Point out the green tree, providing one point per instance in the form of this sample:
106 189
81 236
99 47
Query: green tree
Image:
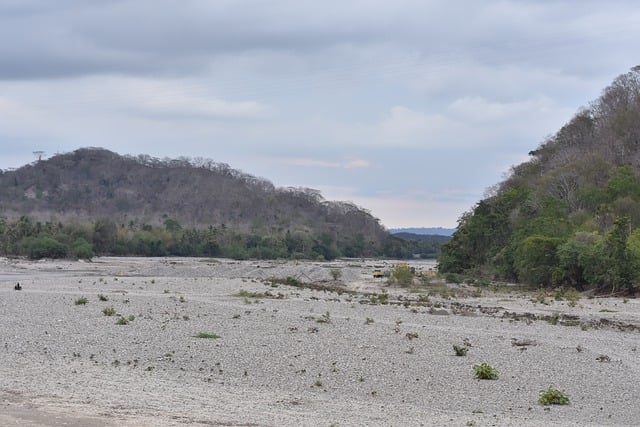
536 259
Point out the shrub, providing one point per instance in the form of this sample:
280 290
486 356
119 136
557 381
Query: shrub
103 297
122 321
207 335
45 247
109 311
82 249
401 275
572 296
81 301
552 396
484 371
336 273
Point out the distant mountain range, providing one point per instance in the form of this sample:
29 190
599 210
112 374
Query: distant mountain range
434 231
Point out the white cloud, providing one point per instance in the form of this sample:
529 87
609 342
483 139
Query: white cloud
403 126
479 110
406 210
304 162
317 163
181 100
357 164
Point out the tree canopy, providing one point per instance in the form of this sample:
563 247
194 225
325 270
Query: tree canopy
570 215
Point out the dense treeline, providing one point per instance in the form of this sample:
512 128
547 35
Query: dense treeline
425 246
25 237
570 216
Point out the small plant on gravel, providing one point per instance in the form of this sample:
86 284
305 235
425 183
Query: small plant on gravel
81 301
552 396
131 318
461 350
484 371
401 275
336 273
207 335
368 321
325 318
122 321
103 297
109 311
572 296
318 383
553 320
182 299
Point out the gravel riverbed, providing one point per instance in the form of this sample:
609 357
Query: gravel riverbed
279 355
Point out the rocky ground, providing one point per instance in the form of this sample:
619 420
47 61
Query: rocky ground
175 341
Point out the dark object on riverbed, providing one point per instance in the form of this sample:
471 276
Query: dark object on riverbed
17 287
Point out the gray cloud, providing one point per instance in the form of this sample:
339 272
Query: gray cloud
408 104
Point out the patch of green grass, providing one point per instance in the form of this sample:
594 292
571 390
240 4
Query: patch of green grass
81 301
207 335
484 371
109 311
552 396
122 321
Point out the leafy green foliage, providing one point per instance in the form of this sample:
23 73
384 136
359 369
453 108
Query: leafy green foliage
109 311
553 396
401 275
56 240
44 247
484 371
569 217
207 335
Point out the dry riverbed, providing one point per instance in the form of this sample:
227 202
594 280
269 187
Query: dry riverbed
211 342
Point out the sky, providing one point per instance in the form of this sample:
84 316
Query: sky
410 109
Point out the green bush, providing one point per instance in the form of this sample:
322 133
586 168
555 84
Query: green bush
484 371
81 301
82 249
207 335
401 275
551 396
45 247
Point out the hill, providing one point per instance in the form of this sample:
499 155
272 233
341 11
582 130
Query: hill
135 194
569 216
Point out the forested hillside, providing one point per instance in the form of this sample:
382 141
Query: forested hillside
106 203
570 216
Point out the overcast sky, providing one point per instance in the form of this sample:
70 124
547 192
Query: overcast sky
411 109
